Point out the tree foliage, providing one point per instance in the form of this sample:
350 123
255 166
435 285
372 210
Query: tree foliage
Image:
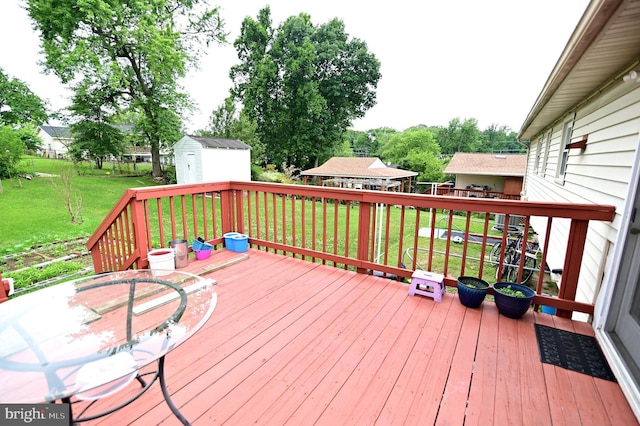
19 106
415 150
226 122
11 150
128 55
501 139
302 84
460 136
94 136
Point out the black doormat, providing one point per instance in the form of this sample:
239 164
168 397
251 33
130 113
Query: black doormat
572 351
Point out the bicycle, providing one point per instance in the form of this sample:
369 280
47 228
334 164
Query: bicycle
511 261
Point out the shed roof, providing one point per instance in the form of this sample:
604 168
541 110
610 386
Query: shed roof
358 167
223 143
604 46
466 163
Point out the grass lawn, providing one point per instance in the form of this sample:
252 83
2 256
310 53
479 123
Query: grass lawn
34 213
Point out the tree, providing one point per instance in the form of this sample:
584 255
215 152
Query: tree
501 139
93 134
129 55
29 137
416 150
460 136
19 106
226 122
11 150
302 84
223 118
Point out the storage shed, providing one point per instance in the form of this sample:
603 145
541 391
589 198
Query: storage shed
208 159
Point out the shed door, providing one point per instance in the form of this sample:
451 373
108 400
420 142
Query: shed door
512 185
191 176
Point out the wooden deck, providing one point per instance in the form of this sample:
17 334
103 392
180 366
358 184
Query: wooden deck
293 342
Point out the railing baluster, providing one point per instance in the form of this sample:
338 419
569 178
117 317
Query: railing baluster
347 231
172 212
205 223
313 225
274 205
364 232
400 260
183 206
373 231
194 218
324 228
283 208
335 229
161 223
293 221
303 224
147 216
483 249
214 215
448 243
387 235
465 242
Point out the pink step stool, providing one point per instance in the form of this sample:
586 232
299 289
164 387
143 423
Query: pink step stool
428 284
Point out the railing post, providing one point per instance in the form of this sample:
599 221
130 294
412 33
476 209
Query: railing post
138 223
364 233
226 210
239 225
572 262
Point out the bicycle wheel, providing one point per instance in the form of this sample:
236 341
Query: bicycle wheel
506 272
511 266
494 254
510 269
530 264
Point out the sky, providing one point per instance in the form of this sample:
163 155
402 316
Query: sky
440 60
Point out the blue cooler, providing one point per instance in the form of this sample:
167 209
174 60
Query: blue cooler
237 242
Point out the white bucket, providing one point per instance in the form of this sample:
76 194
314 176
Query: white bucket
162 260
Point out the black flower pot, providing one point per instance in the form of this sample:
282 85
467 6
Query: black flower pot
513 306
472 291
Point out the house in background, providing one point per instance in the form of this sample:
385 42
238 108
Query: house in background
584 130
55 141
207 159
486 175
361 173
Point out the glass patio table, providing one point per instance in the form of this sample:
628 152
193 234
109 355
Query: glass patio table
86 339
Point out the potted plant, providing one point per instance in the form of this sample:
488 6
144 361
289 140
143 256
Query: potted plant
513 300
472 291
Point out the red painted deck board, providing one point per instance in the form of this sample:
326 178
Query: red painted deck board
295 342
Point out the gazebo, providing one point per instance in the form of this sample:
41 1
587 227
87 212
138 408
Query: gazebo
360 173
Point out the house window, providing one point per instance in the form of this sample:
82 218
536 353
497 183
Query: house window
546 153
536 166
564 151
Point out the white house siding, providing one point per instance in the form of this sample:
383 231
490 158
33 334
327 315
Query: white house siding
53 147
233 164
600 174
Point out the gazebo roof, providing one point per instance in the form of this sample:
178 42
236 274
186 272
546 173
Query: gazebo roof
358 167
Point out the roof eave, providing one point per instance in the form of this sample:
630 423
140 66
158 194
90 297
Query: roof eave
588 28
